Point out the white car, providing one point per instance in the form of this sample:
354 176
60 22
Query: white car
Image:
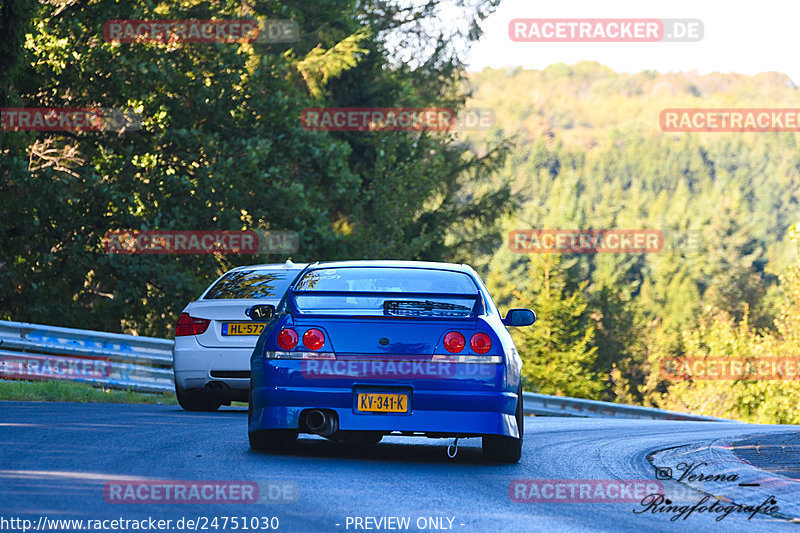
215 336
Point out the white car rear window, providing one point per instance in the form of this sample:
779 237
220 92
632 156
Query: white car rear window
270 284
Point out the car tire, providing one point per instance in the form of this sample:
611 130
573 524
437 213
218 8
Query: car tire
501 449
193 401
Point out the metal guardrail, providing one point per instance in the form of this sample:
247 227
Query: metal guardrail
547 405
34 351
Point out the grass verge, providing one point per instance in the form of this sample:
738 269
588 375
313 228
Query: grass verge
70 391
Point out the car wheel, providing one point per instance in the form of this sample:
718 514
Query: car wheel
193 401
501 449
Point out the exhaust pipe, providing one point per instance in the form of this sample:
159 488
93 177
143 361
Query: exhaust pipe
322 422
216 387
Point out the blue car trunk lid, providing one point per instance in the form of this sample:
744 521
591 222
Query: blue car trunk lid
382 336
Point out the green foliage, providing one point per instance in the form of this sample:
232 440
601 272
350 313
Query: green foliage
761 401
574 146
557 352
589 153
221 147
319 66
71 391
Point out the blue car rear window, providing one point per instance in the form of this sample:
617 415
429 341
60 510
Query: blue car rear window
420 292
252 284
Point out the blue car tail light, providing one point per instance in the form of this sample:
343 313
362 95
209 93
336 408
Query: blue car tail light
287 338
313 339
275 354
454 342
481 349
474 359
290 347
480 343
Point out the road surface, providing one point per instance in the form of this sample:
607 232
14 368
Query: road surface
104 462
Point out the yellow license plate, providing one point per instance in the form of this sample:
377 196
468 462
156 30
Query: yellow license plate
241 328
383 403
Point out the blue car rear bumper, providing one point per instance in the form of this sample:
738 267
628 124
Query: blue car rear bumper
467 403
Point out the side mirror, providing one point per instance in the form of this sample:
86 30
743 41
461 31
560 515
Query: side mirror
260 312
519 317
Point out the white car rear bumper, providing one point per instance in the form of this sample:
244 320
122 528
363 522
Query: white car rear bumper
196 366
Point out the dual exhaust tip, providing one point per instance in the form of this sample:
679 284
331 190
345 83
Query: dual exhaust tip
321 422
216 387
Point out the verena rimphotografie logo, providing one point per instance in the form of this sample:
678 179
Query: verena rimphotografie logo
730 120
35 367
396 119
582 490
604 30
731 368
69 119
201 31
693 472
591 241
201 242
659 504
203 492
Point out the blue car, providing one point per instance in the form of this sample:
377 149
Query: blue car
357 350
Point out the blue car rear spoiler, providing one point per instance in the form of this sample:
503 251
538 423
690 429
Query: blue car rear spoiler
394 307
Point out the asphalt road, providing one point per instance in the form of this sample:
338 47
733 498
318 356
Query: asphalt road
778 453
63 461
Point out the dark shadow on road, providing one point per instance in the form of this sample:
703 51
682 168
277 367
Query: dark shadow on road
428 451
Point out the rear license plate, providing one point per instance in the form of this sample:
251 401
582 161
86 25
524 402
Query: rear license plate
382 403
241 328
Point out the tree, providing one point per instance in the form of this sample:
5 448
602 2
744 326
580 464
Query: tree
557 351
221 146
